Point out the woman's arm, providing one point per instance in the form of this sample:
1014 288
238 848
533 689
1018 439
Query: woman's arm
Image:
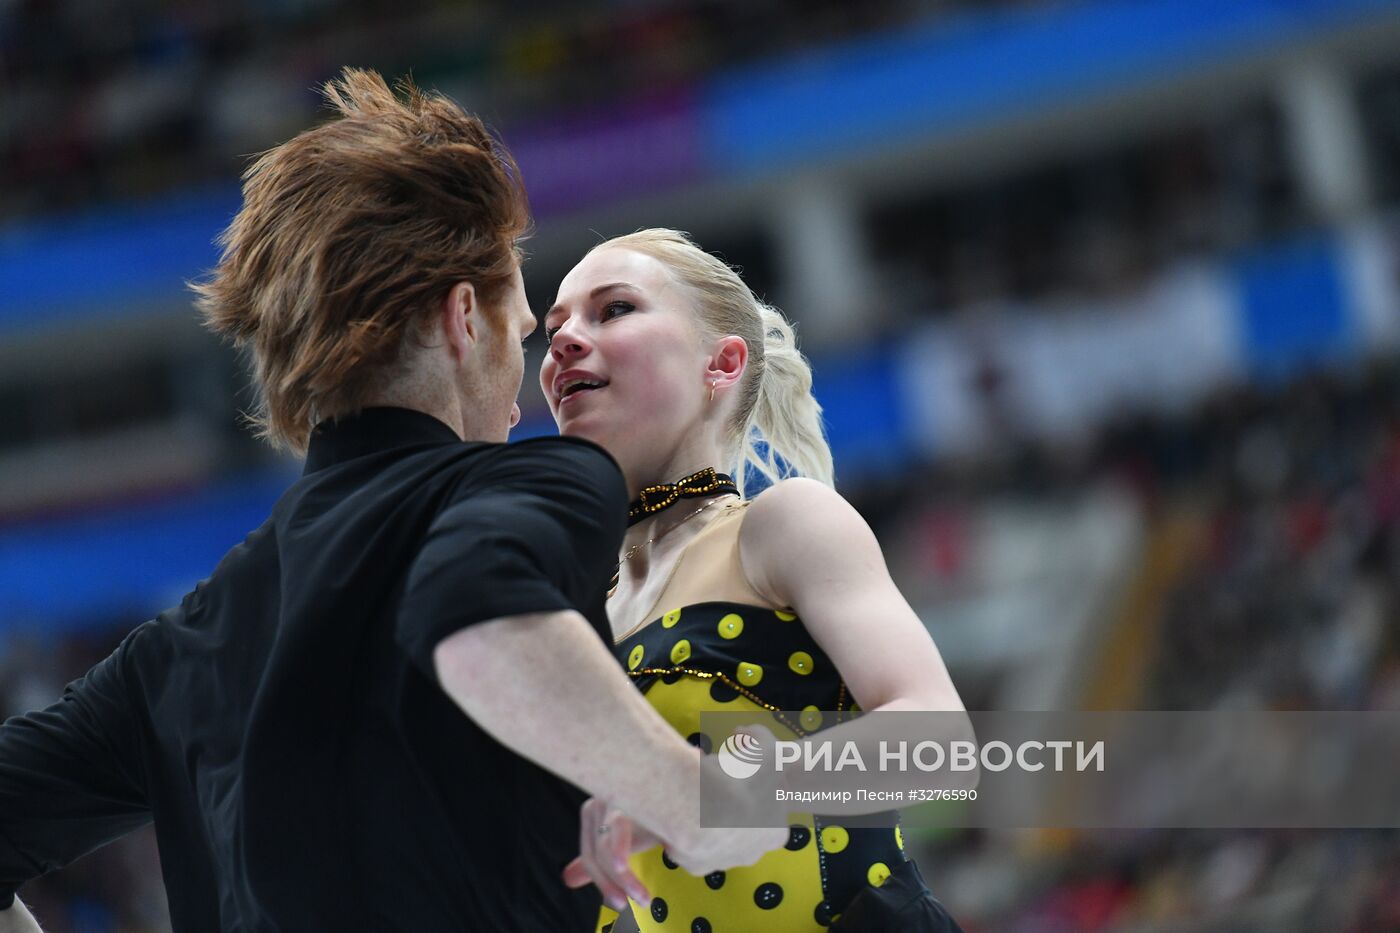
803 546
18 919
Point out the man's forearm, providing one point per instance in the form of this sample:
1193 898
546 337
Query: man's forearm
545 686
18 919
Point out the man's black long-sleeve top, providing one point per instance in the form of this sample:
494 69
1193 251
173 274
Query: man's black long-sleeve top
283 725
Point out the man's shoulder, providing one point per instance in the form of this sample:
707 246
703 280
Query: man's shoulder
576 450
548 459
249 570
573 473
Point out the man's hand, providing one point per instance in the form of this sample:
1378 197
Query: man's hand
18 919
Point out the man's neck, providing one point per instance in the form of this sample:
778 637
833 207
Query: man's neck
447 409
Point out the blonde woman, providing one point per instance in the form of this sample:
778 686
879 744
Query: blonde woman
661 354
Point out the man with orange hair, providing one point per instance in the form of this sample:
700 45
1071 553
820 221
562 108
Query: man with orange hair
295 726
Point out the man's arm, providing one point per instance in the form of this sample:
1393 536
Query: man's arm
494 610
546 687
70 778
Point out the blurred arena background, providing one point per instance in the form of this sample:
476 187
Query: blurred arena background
1103 298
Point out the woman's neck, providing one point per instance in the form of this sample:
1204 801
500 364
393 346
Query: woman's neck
675 469
696 452
663 537
683 461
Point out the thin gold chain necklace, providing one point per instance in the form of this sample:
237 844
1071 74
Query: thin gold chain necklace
632 551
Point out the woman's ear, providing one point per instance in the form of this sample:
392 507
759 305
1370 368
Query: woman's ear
727 362
461 317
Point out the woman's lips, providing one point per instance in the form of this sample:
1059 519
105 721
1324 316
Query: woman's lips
576 393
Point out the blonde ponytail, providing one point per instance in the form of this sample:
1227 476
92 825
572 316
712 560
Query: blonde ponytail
786 416
776 416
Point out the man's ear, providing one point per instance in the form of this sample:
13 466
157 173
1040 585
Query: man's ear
727 361
461 319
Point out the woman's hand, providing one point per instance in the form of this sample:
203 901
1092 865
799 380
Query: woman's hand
608 837
18 919
607 840
605 852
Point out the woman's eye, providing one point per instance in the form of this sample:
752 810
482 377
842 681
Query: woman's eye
610 310
614 308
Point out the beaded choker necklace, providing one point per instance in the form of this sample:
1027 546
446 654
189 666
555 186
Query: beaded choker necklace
654 499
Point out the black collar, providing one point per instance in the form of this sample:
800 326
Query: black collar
370 431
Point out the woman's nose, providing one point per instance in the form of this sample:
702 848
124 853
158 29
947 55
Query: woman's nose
568 343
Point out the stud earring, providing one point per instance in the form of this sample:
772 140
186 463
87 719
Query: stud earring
712 391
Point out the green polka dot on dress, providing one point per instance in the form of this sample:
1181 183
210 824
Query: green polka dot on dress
834 839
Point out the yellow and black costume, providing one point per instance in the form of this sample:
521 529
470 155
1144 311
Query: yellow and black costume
713 644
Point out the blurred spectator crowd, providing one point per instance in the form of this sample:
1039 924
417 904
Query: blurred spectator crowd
1288 600
1340 881
104 102
1291 601
1094 225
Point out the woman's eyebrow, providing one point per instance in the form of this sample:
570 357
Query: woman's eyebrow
609 287
593 294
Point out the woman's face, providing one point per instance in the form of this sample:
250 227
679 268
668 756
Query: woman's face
625 366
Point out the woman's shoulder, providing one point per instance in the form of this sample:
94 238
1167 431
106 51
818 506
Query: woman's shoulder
782 527
790 504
